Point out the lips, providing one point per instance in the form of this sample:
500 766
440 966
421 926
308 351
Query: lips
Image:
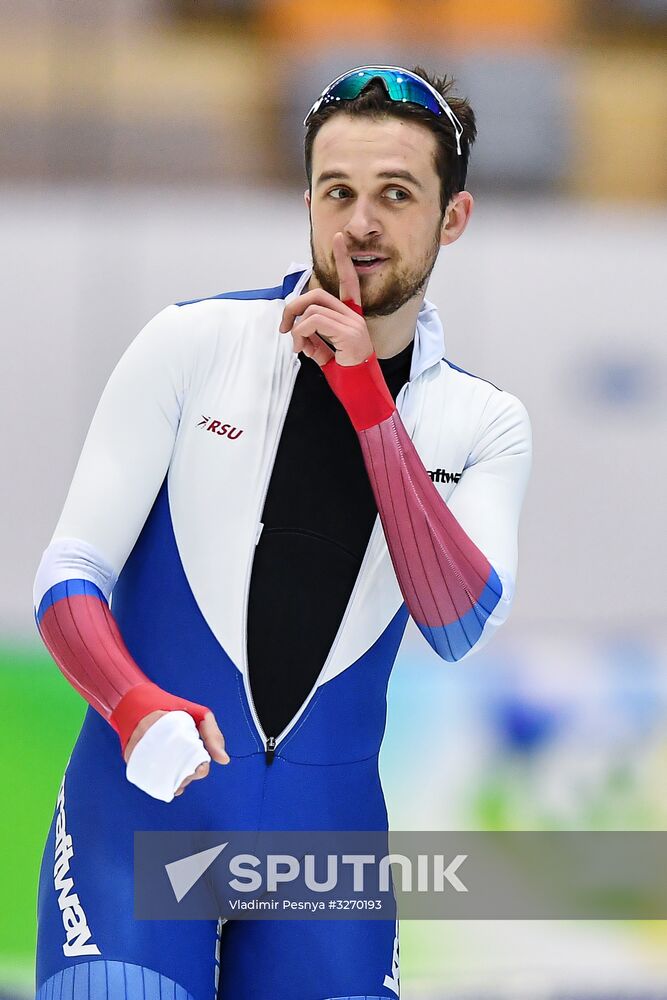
363 268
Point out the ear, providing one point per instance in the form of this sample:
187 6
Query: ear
306 198
456 217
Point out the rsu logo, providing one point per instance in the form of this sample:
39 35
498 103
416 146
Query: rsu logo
218 427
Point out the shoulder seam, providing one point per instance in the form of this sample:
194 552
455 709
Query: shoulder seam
472 375
252 294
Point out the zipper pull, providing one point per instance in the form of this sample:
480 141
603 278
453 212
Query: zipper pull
270 749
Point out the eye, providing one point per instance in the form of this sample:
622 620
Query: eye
337 189
401 192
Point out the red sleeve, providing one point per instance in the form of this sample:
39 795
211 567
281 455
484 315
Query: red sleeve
81 634
449 586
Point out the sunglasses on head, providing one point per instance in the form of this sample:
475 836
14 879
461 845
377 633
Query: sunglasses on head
400 84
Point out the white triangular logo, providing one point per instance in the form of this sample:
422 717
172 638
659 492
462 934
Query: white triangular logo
186 871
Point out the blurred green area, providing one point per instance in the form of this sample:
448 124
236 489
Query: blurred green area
41 717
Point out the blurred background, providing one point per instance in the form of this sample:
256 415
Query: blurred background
152 151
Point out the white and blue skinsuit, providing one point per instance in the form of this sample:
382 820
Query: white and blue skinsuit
165 512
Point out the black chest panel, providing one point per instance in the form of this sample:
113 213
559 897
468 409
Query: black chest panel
318 516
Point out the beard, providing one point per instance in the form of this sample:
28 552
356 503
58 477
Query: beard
381 293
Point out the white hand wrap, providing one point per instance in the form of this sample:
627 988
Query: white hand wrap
168 752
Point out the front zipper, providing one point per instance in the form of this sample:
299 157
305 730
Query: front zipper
271 742
295 718
270 749
274 740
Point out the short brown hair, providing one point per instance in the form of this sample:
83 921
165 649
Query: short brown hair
373 102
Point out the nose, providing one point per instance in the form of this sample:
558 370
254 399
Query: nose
362 224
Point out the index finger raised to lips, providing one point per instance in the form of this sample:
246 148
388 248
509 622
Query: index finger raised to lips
317 296
347 276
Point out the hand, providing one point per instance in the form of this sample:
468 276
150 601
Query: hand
321 313
209 733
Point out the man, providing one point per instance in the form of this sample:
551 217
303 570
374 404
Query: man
228 495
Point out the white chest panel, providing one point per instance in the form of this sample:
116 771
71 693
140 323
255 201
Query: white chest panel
222 462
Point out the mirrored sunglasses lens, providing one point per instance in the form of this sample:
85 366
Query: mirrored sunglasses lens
399 88
349 88
410 90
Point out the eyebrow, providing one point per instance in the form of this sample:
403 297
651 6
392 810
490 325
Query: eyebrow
335 175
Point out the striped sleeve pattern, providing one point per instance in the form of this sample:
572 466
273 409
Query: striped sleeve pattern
78 629
449 586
